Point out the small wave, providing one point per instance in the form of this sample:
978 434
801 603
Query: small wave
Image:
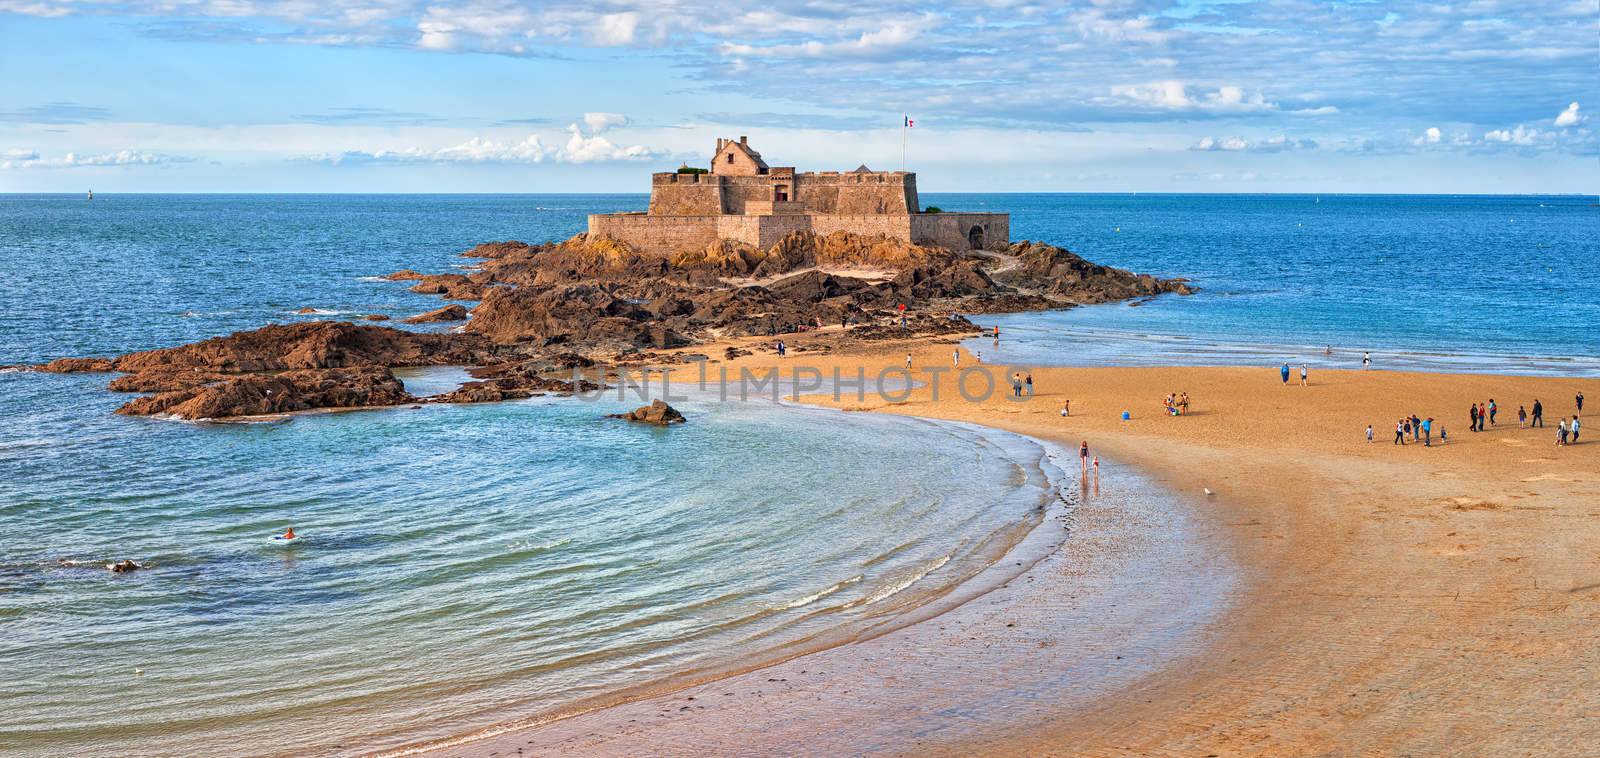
205 314
526 546
28 442
373 279
900 585
814 597
319 312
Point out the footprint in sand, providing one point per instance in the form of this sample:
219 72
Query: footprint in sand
1545 477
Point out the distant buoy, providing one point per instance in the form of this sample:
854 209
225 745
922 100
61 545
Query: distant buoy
1119 228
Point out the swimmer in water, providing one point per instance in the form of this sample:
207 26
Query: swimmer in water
289 535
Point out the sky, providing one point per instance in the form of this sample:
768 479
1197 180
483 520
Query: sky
1473 96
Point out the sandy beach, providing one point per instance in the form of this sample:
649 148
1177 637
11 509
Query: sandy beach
1330 596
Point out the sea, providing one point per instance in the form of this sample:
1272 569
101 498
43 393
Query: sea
462 565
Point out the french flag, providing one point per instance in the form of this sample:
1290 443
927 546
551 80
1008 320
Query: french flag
909 123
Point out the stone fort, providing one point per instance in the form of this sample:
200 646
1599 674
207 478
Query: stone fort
743 199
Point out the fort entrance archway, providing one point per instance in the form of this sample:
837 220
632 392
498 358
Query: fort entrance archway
975 238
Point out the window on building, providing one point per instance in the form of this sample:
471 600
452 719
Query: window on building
730 157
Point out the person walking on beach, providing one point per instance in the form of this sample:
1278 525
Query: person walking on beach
1369 434
1522 417
996 332
908 361
1472 423
955 357
1285 373
1030 385
1302 375
1416 428
1574 430
1483 415
1427 432
1493 409
781 349
1083 455
1443 434
1066 408
1579 398
1538 414
1561 432
1400 432
1366 361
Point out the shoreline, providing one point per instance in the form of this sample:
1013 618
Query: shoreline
1024 544
1297 511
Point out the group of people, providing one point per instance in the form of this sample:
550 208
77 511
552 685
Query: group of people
1177 403
1418 429
1284 372
1019 382
1480 416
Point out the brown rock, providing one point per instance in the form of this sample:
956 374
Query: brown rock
657 413
306 311
283 392
166 380
377 317
512 388
124 566
452 312
499 249
404 275
452 286
77 365
312 344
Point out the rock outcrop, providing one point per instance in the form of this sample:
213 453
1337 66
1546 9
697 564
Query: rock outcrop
1059 273
307 345
657 413
452 312
452 286
124 566
282 392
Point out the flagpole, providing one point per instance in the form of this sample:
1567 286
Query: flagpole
903 118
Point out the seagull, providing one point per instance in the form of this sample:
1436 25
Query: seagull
1208 490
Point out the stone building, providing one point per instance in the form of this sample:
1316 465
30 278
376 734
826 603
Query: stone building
741 198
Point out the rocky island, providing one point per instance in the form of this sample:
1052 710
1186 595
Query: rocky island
627 289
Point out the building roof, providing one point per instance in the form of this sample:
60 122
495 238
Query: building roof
755 156
862 169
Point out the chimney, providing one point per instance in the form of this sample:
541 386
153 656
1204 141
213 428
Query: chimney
743 140
719 144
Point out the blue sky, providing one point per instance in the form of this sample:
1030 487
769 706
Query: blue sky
1007 95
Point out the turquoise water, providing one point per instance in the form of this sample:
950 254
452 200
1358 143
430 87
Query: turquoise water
1449 283
459 564
465 564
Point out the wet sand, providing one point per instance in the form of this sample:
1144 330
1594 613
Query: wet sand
1331 597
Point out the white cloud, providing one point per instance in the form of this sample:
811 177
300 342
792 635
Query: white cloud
31 159
614 29
577 149
599 122
1278 144
1569 117
1520 135
1428 137
891 37
1175 96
